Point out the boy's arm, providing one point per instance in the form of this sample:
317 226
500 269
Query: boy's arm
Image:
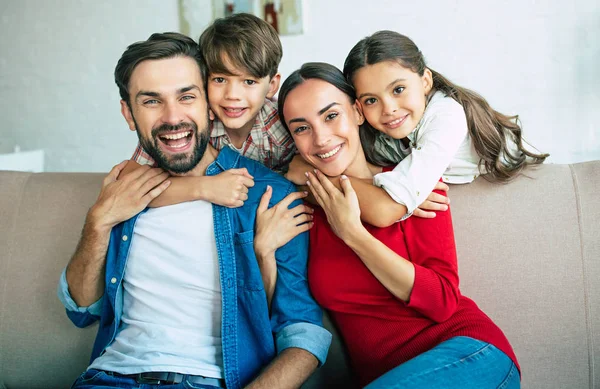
229 188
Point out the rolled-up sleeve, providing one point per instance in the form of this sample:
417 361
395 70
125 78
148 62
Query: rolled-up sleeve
307 336
437 142
80 316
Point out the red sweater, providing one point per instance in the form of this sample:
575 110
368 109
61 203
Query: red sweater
381 331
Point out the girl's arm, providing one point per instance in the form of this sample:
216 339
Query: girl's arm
376 206
439 139
229 188
428 283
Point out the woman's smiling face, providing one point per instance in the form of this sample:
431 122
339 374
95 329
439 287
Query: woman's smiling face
324 124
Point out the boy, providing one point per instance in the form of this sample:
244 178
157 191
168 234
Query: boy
242 53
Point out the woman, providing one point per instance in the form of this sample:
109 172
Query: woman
392 292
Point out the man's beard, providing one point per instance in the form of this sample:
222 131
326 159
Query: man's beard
177 163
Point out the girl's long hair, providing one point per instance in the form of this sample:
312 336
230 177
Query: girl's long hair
497 137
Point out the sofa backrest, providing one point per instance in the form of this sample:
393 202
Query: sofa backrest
528 255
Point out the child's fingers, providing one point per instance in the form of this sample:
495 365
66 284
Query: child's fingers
441 186
423 214
241 171
438 198
263 205
433 206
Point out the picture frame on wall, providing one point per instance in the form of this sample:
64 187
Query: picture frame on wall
286 16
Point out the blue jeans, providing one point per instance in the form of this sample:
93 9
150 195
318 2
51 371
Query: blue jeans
460 362
98 379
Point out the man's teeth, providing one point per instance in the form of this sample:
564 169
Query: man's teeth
176 136
331 153
234 109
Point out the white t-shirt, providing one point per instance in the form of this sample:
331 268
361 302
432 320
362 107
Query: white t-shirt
171 296
440 146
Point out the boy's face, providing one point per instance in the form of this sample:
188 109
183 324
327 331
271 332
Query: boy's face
237 98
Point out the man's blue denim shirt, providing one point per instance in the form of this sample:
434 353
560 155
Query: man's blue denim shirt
250 340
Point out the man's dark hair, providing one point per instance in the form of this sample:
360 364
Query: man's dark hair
158 46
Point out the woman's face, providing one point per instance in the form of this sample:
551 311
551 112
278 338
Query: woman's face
324 125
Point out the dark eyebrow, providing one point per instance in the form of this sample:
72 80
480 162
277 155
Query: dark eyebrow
156 94
189 88
389 85
321 112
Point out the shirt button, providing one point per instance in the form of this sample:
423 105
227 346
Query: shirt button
229 283
124 238
113 280
418 193
419 148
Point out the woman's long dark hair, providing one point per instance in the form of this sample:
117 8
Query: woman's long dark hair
492 132
314 70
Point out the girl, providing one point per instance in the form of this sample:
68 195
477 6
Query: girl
392 292
425 125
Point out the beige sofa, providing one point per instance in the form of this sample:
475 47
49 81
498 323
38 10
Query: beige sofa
529 254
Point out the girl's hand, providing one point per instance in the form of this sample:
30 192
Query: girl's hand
434 202
341 207
298 169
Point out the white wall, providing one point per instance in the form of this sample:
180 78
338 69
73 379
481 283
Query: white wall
57 90
535 58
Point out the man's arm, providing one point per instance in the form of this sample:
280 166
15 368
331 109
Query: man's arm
290 369
118 201
229 188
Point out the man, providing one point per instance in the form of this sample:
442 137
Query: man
177 289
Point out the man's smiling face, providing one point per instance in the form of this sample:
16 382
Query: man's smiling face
169 111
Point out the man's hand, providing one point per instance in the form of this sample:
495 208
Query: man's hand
229 188
434 202
123 197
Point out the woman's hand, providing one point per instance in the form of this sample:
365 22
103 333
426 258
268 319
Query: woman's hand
340 206
275 227
298 169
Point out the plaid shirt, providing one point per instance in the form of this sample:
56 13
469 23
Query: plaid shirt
268 142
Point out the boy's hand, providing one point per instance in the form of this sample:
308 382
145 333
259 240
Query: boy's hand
230 188
434 202
298 169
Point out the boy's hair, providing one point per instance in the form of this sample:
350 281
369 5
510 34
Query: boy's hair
158 46
248 42
492 132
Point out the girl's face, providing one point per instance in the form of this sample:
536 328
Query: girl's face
392 97
324 125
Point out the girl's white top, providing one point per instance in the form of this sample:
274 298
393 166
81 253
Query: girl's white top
440 146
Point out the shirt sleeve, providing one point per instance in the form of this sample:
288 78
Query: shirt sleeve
142 157
80 316
436 144
296 318
432 251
